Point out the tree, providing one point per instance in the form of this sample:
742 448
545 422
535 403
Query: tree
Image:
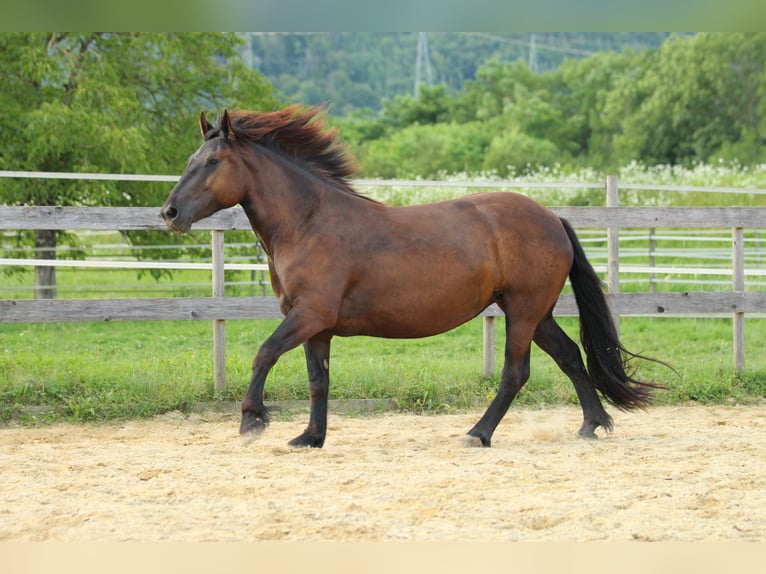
585 86
507 121
109 102
431 106
429 150
693 98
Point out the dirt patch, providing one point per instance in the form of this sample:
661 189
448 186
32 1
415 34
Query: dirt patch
674 473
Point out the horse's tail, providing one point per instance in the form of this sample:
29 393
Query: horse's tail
606 357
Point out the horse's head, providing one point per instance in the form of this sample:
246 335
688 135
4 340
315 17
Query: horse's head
215 177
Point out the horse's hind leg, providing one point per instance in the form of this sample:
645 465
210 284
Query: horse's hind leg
317 351
515 373
554 341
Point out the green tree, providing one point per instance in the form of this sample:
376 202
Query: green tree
692 99
508 121
426 151
514 152
585 86
431 106
530 131
110 102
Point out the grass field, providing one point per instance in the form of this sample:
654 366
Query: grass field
101 371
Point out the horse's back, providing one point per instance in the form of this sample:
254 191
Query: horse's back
506 230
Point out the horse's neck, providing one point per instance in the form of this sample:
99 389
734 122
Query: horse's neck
279 206
284 197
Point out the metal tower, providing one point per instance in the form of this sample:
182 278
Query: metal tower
423 61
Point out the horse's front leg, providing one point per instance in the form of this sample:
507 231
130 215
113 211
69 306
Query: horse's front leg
294 330
318 364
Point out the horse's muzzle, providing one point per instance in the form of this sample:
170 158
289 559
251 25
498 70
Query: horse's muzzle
170 215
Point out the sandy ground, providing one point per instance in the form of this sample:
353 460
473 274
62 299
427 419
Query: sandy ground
688 473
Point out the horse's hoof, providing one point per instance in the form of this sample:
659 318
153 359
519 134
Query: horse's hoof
587 434
307 440
250 436
251 427
470 441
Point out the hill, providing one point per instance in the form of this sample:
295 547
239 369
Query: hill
357 70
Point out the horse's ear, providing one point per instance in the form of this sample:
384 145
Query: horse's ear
204 125
228 132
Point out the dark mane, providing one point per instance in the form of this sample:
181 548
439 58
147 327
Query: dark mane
300 134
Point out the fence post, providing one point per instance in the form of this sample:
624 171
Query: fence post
652 249
219 325
613 246
738 281
489 346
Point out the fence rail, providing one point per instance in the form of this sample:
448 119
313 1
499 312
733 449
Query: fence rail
148 218
219 308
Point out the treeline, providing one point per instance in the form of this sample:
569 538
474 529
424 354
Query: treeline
357 70
694 99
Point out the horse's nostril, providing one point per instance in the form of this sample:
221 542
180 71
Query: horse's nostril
170 213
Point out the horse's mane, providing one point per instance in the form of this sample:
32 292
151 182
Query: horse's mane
300 134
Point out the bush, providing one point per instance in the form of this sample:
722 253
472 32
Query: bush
425 151
515 153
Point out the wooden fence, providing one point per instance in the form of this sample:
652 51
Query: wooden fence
218 308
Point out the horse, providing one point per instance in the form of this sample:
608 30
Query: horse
343 264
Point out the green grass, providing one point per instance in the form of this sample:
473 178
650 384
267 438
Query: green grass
104 371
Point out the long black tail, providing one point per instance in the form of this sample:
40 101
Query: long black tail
606 357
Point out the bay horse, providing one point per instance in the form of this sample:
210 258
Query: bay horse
343 264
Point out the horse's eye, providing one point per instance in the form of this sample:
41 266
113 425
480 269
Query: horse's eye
212 162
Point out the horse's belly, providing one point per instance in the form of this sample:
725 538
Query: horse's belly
400 327
403 314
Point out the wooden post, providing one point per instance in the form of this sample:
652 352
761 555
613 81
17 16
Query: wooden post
45 277
652 248
219 326
489 346
613 246
738 286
